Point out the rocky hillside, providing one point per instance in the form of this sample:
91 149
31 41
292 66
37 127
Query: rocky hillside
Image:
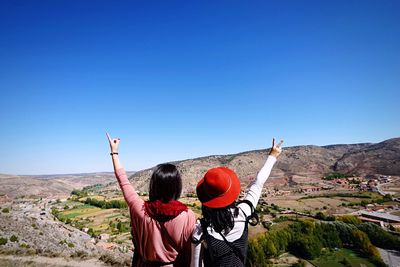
296 164
19 186
29 228
382 158
53 186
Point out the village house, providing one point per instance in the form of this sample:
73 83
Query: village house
341 181
376 207
284 192
309 188
384 179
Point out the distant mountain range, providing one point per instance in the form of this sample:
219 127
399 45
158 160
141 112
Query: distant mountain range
298 164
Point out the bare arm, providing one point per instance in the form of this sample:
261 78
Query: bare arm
130 195
196 260
114 144
254 193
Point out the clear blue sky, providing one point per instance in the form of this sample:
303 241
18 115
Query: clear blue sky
182 79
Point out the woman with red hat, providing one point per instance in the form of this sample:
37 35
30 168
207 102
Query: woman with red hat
220 237
161 227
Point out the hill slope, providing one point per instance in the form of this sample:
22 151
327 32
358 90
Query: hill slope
296 164
56 186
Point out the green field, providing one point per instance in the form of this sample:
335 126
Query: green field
100 220
327 201
335 259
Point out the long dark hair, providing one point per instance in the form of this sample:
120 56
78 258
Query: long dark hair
165 183
221 219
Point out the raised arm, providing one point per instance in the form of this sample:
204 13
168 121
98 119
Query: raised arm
114 144
130 195
254 193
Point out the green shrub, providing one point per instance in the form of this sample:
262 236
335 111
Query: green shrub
5 210
305 246
3 241
91 232
350 219
23 245
14 238
70 245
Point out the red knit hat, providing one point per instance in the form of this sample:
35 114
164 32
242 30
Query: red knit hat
219 188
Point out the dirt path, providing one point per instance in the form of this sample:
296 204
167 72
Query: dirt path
36 261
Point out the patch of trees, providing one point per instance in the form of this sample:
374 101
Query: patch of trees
79 193
85 191
379 237
365 202
92 187
324 217
335 175
123 227
351 219
112 204
120 227
306 239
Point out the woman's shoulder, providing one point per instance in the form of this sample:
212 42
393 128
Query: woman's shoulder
191 217
185 217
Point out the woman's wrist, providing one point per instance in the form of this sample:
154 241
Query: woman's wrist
274 154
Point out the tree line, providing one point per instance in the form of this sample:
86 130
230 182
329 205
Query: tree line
112 204
307 238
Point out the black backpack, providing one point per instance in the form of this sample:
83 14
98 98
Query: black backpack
215 252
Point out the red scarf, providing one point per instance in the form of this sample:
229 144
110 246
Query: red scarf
163 212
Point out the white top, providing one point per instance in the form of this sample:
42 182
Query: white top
253 195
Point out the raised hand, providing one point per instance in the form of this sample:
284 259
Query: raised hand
114 143
276 150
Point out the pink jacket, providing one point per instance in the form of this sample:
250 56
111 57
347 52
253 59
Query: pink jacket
153 241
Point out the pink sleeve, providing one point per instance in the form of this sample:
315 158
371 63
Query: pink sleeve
130 195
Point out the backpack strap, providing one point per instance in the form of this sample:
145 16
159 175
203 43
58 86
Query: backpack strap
234 249
252 219
203 241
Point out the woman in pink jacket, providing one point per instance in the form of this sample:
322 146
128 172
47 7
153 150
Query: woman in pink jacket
162 226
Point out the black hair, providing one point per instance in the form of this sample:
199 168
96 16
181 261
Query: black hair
165 183
221 219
